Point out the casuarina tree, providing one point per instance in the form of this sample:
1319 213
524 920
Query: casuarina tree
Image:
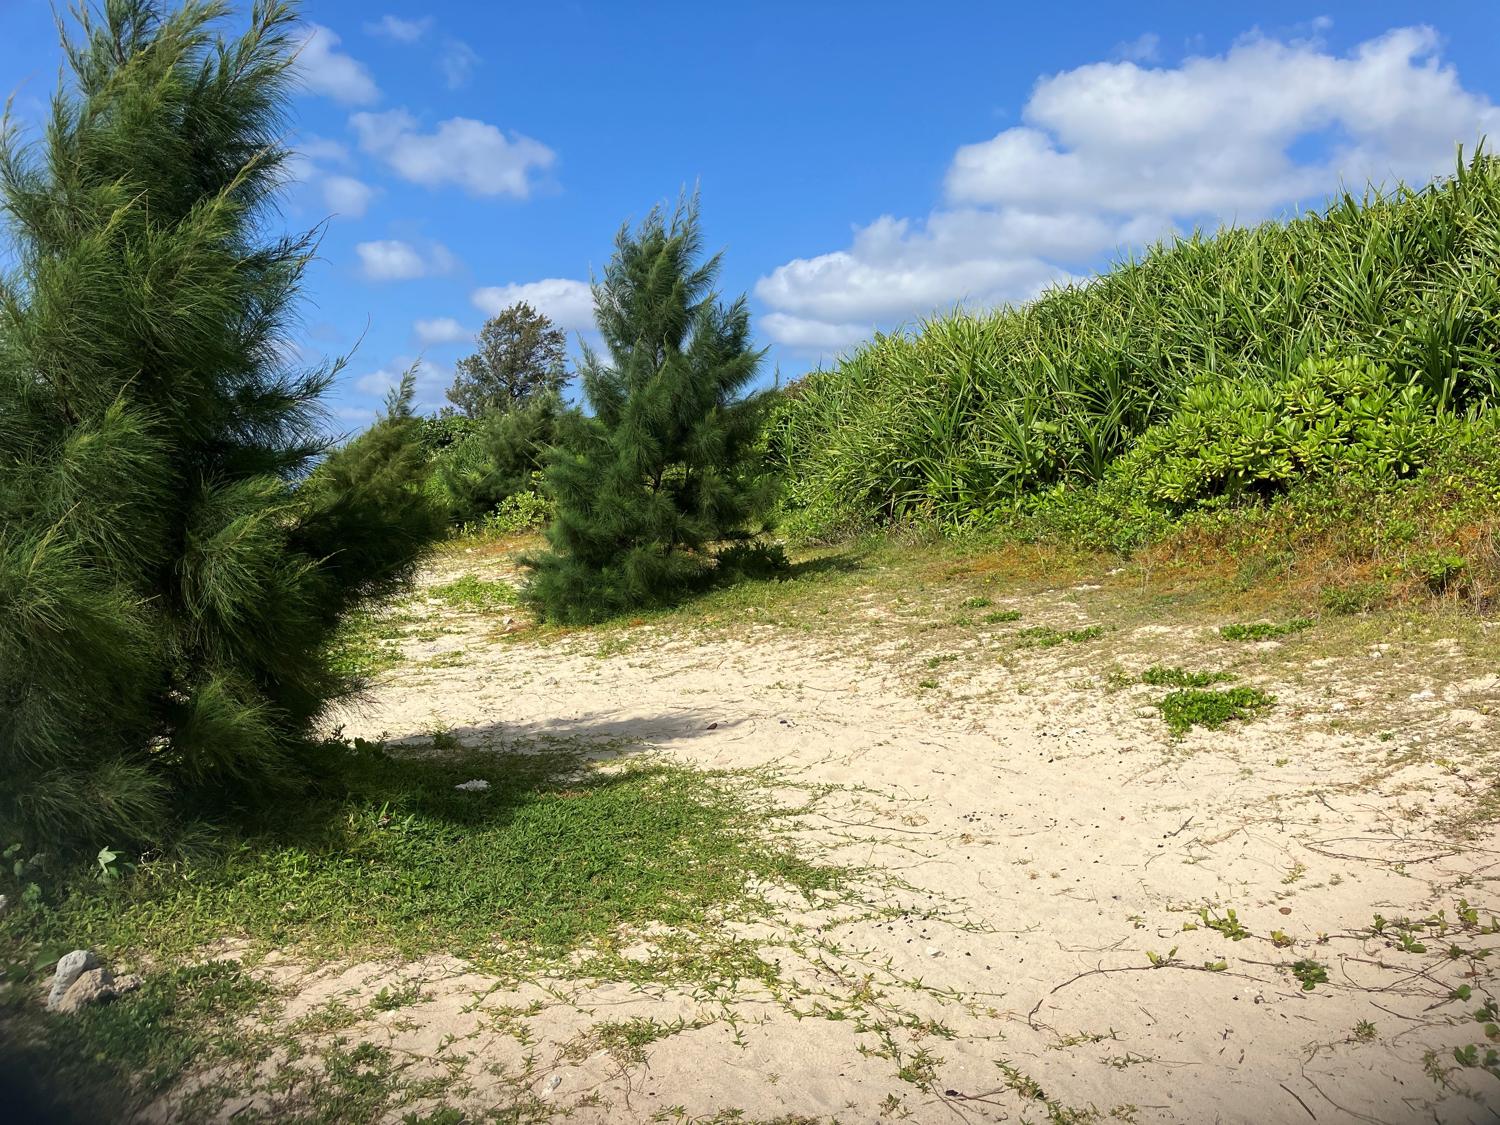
663 467
173 555
521 355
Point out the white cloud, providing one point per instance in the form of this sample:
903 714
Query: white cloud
323 69
323 150
473 154
1112 155
457 62
1216 136
393 260
378 382
441 330
347 196
813 335
568 304
399 30
341 193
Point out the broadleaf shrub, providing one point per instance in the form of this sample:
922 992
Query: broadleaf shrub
1227 439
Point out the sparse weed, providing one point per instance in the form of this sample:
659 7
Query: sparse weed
1265 631
1040 636
1160 675
1000 616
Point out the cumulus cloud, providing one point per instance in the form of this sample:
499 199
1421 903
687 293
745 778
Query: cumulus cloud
567 303
1113 155
393 260
399 30
441 330
323 69
1215 136
341 193
471 154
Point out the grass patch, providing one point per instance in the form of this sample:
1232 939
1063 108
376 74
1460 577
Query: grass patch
1193 707
1353 597
367 644
390 857
1160 675
556 862
1264 630
1040 636
472 594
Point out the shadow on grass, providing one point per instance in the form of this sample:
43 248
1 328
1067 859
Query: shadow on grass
591 736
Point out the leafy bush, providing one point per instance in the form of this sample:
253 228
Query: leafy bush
520 511
499 455
1226 438
173 561
1440 570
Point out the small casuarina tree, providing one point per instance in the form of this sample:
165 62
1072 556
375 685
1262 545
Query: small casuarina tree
520 356
663 466
175 552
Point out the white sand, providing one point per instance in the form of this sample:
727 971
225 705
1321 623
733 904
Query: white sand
1058 838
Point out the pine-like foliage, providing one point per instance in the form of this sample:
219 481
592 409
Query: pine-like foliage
499 457
663 467
167 583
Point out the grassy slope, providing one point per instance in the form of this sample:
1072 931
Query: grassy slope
955 421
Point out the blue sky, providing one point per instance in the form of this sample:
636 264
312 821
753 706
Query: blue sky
861 164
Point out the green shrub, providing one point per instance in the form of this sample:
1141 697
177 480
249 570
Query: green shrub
1440 570
522 511
1228 438
1353 597
499 455
1194 707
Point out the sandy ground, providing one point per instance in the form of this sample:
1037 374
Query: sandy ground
1053 848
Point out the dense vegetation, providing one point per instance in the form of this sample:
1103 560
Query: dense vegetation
1357 345
175 553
